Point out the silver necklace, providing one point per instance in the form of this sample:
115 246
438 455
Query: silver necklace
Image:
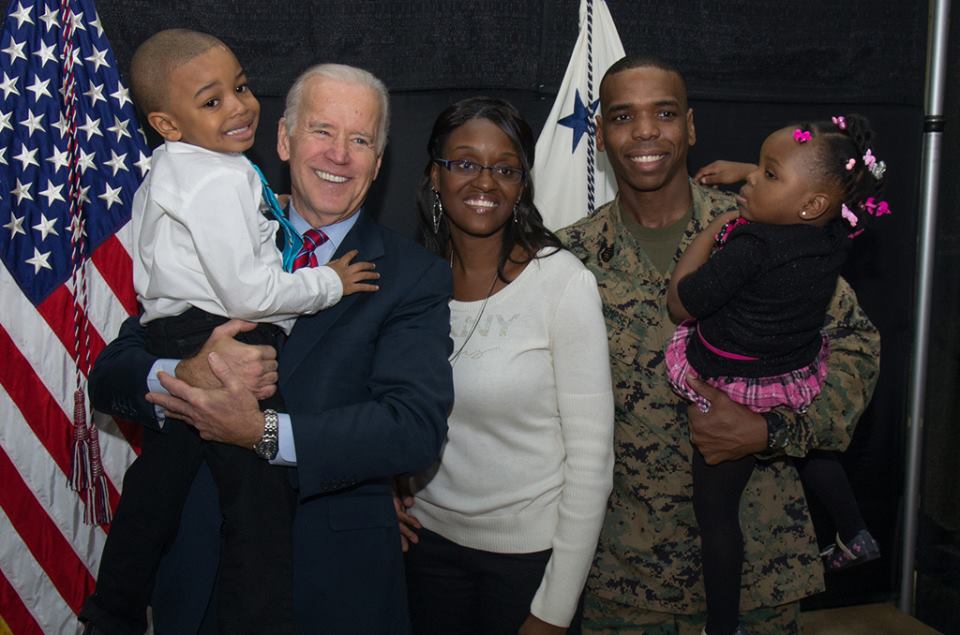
456 356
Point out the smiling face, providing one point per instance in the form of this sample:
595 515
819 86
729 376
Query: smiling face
209 104
783 190
332 149
478 206
645 128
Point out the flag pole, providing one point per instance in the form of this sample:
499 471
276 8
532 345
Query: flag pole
933 123
591 123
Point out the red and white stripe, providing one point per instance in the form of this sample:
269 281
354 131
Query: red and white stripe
48 556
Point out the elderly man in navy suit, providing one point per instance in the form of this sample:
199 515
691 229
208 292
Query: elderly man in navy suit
366 384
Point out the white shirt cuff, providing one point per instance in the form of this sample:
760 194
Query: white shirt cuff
169 366
286 451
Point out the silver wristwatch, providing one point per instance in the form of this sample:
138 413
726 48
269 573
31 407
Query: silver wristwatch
266 448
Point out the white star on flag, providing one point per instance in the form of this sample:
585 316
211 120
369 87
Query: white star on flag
9 86
22 191
59 159
143 163
85 161
46 53
62 126
27 157
96 24
98 59
52 193
78 25
119 128
95 93
110 195
15 226
116 162
122 95
32 123
22 15
39 88
39 260
50 18
15 51
91 127
46 226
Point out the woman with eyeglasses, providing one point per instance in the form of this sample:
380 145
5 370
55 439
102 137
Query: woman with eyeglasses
504 528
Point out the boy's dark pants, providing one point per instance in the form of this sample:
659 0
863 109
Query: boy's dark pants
257 502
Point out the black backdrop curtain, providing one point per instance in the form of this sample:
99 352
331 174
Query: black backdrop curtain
751 67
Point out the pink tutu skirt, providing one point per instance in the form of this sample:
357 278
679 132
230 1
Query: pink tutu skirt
795 389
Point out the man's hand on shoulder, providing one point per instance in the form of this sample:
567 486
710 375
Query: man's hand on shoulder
255 367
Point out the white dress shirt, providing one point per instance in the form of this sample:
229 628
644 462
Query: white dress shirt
200 240
286 452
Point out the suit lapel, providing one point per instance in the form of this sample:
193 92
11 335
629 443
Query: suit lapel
310 329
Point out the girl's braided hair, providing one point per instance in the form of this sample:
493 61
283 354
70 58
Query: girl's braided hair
845 158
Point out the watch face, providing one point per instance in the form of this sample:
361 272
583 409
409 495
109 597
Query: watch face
267 450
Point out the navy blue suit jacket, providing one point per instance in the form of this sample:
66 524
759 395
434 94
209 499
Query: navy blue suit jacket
368 388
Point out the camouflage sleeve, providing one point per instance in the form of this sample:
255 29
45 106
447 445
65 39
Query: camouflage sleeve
854 365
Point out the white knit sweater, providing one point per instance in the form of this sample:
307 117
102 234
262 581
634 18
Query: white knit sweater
528 461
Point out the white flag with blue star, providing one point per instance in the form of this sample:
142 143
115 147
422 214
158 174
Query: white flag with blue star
567 163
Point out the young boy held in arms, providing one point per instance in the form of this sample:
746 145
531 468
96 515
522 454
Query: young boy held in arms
205 252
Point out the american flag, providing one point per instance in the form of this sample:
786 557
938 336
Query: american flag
71 157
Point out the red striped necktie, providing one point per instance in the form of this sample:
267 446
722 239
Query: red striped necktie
306 257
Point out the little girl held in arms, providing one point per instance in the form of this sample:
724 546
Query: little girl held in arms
752 291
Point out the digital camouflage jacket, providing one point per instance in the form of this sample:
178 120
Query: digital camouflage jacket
649 550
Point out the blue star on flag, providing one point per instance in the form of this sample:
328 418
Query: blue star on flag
580 120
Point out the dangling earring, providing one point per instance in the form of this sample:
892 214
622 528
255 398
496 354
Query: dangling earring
437 211
516 212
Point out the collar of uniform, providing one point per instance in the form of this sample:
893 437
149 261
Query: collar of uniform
619 248
707 204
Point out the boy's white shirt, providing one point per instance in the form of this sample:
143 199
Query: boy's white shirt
287 452
200 240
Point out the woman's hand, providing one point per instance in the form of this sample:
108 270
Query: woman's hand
723 173
406 521
533 625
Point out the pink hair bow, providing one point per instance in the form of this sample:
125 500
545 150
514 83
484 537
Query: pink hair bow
840 122
802 136
849 216
875 208
869 159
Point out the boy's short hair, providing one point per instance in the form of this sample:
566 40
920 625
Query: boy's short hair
160 55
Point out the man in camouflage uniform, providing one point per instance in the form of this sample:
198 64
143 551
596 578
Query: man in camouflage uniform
646 576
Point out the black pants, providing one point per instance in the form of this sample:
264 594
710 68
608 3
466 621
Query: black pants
456 590
716 501
254 582
823 475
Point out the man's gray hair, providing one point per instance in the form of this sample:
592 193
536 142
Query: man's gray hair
347 75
